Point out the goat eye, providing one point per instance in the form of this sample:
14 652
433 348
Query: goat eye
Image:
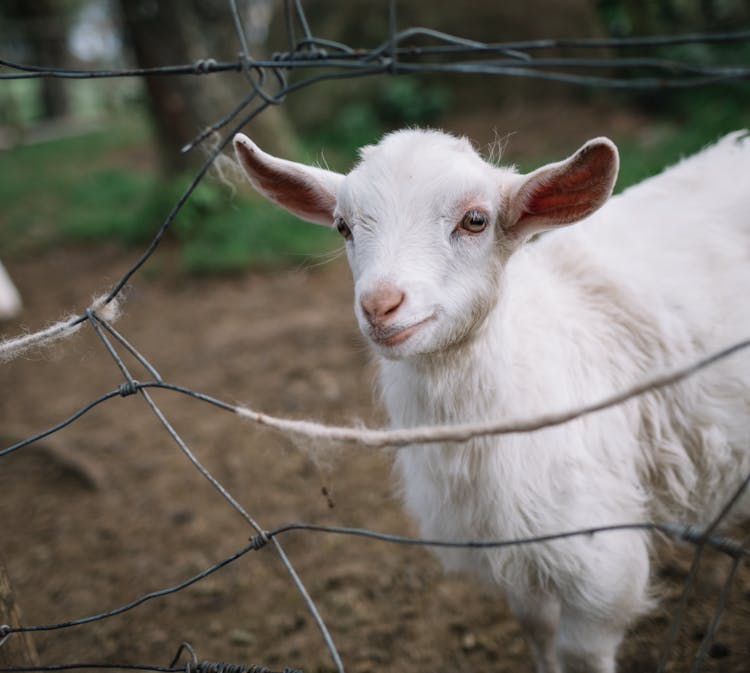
343 228
475 222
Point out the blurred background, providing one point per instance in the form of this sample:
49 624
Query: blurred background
120 138
245 303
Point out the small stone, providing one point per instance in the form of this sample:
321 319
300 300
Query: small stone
469 642
241 637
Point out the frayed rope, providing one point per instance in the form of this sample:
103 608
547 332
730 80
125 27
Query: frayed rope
108 311
463 432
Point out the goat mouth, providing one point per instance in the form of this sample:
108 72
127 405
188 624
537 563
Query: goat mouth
397 335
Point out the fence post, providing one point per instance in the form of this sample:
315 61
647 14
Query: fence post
19 649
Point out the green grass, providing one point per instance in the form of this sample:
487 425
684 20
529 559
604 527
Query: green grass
220 231
77 189
94 187
48 187
701 121
252 234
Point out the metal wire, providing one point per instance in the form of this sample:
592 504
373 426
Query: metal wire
683 534
412 50
394 54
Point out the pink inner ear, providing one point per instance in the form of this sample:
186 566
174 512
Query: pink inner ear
288 186
571 191
295 192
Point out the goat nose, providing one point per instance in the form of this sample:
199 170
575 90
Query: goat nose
382 302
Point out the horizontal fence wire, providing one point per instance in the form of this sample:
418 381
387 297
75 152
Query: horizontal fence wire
413 50
516 60
687 534
375 438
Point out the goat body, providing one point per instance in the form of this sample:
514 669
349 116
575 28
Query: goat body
474 318
10 300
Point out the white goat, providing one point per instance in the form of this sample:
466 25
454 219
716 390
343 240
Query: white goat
472 322
10 300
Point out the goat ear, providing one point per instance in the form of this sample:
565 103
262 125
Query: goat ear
563 192
306 191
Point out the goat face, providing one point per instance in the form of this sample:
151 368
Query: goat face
421 215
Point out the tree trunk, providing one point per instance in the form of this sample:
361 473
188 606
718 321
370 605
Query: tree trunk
44 24
153 29
174 32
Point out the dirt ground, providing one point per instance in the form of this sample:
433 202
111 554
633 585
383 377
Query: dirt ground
110 508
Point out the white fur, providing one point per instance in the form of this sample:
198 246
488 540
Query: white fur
10 300
513 328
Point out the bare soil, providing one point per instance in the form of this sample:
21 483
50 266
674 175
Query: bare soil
110 508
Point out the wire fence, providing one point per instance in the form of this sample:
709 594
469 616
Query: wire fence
413 50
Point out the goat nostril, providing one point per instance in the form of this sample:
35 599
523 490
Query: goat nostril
392 309
382 302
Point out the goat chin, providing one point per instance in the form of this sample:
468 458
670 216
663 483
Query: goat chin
645 283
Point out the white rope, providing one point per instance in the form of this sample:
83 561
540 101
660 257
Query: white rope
379 438
12 348
463 432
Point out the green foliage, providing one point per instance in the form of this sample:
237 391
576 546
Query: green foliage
700 124
407 100
632 17
105 205
361 115
252 234
353 125
69 190
44 186
220 233
683 121
635 18
19 102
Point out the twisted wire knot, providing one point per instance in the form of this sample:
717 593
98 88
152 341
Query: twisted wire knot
196 666
204 65
698 537
128 388
260 540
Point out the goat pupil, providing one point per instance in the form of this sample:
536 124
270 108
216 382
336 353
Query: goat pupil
343 229
475 221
